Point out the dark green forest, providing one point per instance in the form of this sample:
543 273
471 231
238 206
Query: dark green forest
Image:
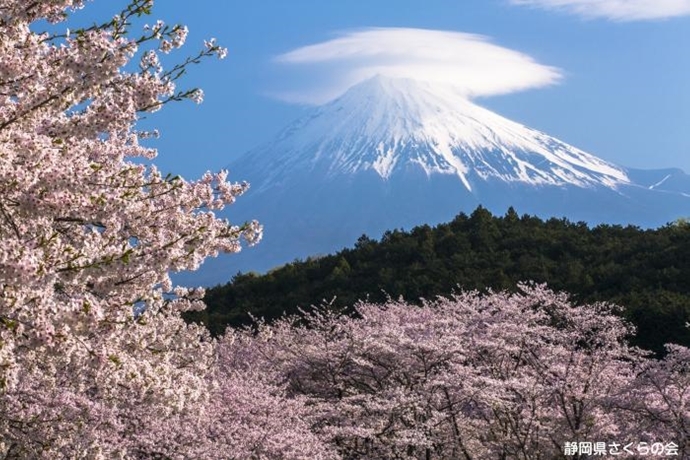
645 271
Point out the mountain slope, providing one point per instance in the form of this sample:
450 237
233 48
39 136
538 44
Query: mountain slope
397 153
391 125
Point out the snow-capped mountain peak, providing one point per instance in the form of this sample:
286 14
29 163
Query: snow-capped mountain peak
387 125
392 153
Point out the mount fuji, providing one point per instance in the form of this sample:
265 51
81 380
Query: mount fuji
394 153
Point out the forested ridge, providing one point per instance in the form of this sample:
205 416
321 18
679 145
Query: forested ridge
645 271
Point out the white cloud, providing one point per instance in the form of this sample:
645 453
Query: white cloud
617 10
467 62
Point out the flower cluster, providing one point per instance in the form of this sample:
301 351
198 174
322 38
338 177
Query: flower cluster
95 360
473 376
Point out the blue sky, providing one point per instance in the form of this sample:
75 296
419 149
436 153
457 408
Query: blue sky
623 95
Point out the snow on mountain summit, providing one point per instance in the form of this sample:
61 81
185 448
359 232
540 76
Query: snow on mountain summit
396 153
387 125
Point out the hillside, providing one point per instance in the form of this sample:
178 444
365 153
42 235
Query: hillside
646 271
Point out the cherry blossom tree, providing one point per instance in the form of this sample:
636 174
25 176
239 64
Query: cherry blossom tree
253 414
95 360
662 396
474 377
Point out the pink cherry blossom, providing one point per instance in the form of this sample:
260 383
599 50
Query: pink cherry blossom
95 361
474 377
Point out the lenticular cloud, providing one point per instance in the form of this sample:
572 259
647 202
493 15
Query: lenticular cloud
469 63
618 10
